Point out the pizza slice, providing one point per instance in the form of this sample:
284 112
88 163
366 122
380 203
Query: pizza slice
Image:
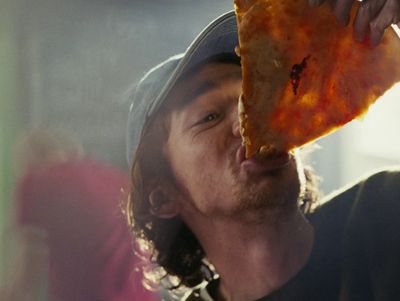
303 75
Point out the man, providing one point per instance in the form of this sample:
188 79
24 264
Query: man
240 229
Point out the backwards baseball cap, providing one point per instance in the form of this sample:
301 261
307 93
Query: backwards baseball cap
219 37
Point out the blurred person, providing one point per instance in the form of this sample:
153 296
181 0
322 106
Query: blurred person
75 201
24 264
231 228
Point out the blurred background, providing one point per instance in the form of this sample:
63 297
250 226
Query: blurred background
65 64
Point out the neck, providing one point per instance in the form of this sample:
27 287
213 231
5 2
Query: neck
255 258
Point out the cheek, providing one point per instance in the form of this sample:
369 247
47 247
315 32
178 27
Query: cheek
188 163
199 172
199 163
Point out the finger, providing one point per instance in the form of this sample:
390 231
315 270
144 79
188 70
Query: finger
315 2
365 14
342 10
387 16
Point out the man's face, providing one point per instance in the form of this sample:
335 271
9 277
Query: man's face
206 155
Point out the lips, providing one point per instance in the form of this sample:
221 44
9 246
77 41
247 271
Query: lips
259 164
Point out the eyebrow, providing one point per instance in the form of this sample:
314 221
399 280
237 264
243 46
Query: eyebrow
199 90
206 86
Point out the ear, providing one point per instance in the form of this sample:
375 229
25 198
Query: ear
163 204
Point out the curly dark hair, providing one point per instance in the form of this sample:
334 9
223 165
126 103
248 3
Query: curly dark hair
173 246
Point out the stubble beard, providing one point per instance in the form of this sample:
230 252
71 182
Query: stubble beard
281 192
257 194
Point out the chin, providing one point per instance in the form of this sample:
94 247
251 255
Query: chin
277 189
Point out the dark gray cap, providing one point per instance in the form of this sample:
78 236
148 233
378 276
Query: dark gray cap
219 37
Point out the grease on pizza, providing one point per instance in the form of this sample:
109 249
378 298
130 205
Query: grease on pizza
303 75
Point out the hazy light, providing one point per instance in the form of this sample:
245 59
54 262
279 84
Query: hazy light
378 133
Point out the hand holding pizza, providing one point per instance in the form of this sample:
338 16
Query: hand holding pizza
372 17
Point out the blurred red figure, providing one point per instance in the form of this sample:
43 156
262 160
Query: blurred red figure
75 200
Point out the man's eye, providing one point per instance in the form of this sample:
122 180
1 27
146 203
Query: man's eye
209 118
